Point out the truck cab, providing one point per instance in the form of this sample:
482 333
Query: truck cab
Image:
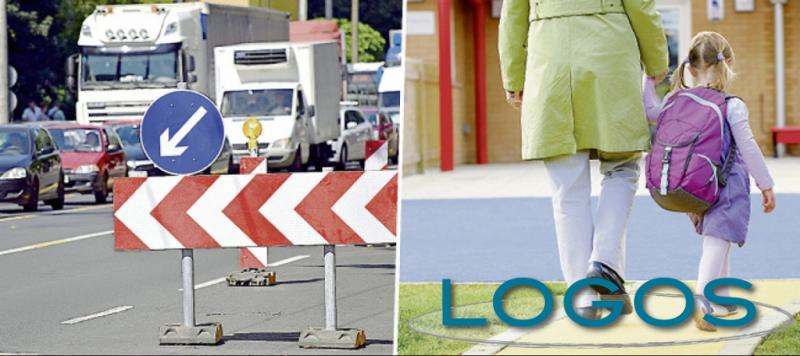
131 55
293 89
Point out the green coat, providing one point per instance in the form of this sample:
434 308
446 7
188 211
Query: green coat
579 64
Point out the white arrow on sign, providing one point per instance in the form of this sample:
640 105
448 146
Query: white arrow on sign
169 146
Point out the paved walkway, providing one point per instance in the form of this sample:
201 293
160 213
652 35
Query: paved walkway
631 329
529 179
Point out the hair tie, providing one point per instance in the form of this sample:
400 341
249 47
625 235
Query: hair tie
720 57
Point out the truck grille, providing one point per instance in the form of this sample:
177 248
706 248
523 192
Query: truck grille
262 56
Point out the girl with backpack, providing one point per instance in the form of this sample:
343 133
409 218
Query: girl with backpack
703 151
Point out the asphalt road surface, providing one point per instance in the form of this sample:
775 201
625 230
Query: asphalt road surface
63 289
496 239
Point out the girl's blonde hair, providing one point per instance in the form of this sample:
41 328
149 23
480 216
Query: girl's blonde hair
709 51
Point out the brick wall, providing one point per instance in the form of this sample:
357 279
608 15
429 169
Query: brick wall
751 34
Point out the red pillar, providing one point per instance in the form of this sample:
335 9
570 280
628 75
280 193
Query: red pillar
479 36
445 88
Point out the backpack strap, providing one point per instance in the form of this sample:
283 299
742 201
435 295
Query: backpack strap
730 154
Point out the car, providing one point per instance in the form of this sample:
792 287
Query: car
385 128
352 144
139 165
92 157
30 167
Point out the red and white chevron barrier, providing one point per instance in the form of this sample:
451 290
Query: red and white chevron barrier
253 257
377 153
282 209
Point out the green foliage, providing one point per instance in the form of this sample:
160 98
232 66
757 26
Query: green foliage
784 342
421 304
370 41
382 15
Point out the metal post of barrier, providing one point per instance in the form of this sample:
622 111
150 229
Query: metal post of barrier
187 274
329 254
189 333
331 336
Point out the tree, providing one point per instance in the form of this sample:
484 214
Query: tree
370 42
382 15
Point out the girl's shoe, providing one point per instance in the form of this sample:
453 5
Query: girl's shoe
600 270
721 311
703 308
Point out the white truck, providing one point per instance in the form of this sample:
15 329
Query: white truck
292 88
132 54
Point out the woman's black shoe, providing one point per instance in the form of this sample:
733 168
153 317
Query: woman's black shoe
600 270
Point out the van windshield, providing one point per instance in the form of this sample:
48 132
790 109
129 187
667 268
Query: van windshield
267 102
390 99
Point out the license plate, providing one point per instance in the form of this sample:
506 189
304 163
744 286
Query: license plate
137 174
66 179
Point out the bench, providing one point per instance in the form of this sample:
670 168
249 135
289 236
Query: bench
790 134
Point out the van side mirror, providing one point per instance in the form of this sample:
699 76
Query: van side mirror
113 148
351 125
312 111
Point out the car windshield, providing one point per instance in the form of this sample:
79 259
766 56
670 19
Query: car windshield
77 140
268 102
151 69
390 99
129 135
14 142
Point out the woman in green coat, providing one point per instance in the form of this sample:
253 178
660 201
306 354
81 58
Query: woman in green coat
575 69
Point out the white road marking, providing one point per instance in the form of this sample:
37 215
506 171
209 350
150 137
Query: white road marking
55 242
7 218
101 314
288 261
220 280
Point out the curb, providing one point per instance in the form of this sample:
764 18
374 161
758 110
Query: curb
748 346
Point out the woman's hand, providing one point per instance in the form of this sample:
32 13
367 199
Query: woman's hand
768 198
514 98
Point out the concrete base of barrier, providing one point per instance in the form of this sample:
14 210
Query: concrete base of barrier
332 339
203 334
252 277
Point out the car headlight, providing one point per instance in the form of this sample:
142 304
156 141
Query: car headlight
87 168
15 173
282 143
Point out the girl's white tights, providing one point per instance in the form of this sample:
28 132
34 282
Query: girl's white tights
713 264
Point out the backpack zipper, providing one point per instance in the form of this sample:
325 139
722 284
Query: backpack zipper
713 174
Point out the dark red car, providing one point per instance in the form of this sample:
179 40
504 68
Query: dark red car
92 157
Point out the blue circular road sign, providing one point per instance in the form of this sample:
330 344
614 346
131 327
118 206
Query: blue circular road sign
182 132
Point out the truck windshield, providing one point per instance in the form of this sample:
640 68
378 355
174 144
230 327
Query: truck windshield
390 99
156 68
268 102
77 140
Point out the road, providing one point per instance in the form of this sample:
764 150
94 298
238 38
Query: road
495 239
65 290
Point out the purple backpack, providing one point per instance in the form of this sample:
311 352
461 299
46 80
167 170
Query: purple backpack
692 151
